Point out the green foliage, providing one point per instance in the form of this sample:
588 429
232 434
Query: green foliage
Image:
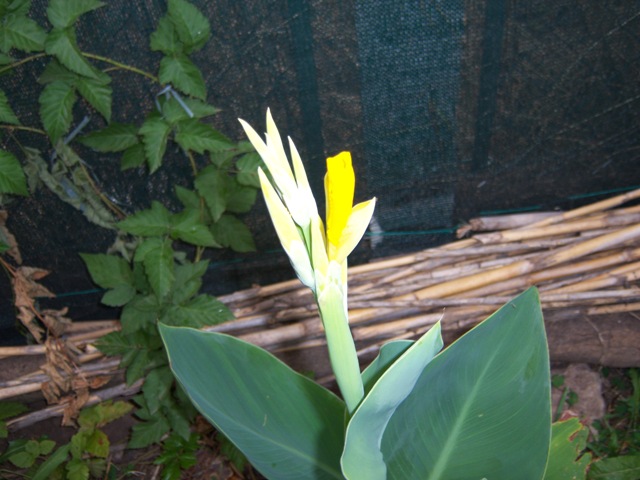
24 453
566 461
177 455
156 274
616 468
478 409
8 410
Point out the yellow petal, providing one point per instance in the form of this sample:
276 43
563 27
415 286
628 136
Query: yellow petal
354 229
339 185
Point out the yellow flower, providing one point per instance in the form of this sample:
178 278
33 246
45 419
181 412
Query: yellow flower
319 257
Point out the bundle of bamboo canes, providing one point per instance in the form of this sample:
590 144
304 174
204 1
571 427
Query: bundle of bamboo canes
585 261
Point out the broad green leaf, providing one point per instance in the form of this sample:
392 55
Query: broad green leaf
115 137
62 44
566 462
362 457
6 112
97 93
132 157
64 13
157 386
152 222
248 170
165 38
191 26
617 468
22 33
202 311
118 296
56 104
213 186
194 135
183 74
12 179
108 271
389 353
155 133
288 426
231 232
484 399
157 256
188 227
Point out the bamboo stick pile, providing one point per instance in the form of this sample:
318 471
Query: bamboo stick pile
585 260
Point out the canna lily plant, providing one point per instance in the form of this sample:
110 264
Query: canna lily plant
478 409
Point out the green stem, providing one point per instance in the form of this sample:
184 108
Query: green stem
122 66
13 65
23 128
342 349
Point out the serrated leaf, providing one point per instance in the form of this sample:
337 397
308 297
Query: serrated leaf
188 198
155 133
213 186
4 58
118 296
192 27
248 170
97 93
56 104
188 280
148 432
132 157
140 313
165 38
62 44
16 7
188 227
157 386
97 444
54 71
22 459
6 112
183 74
179 418
231 232
115 137
194 135
240 199
12 179
64 13
202 311
11 409
174 112
108 271
22 33
103 413
152 222
77 469
157 257
46 446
